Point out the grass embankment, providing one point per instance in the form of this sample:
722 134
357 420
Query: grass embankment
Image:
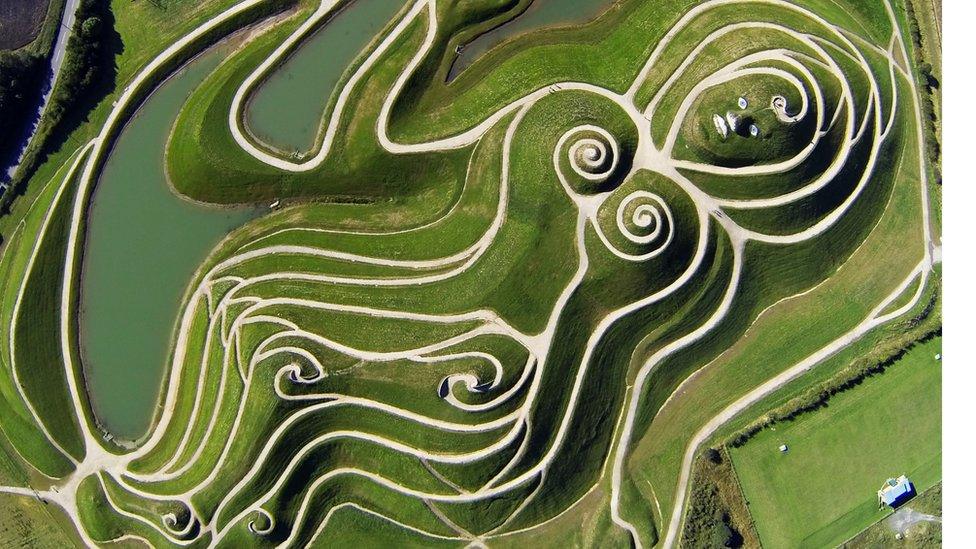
133 24
44 297
202 155
25 455
25 518
518 256
33 367
822 490
871 205
475 208
531 61
532 155
205 163
218 128
36 346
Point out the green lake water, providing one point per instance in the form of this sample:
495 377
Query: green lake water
286 110
143 245
540 14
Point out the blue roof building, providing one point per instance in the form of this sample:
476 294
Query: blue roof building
895 491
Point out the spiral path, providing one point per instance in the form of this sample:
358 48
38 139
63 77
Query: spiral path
282 412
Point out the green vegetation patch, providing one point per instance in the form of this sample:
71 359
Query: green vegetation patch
823 489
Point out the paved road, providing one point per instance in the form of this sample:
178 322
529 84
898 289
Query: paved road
57 57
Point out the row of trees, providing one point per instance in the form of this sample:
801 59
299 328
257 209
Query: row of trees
930 80
850 377
90 59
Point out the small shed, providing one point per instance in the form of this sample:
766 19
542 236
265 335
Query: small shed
895 491
784 448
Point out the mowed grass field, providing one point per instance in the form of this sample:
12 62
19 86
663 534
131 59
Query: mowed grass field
823 491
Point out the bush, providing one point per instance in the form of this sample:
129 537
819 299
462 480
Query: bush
708 524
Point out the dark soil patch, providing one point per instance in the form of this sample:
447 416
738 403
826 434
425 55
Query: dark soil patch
20 22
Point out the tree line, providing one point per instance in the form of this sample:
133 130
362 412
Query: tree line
852 376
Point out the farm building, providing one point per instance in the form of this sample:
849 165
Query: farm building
895 491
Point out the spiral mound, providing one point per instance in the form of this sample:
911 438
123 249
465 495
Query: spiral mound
644 219
590 160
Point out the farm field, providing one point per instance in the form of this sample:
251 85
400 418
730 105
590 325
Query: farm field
822 491
483 273
21 21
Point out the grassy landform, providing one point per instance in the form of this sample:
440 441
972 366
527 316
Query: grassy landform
502 307
25 519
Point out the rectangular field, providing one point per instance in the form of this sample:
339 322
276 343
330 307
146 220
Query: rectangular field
823 490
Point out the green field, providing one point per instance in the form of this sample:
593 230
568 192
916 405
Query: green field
822 491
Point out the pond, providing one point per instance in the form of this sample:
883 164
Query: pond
143 245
